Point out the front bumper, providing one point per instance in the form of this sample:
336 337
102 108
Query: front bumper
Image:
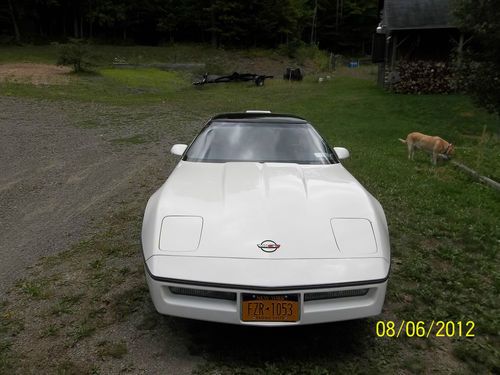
225 303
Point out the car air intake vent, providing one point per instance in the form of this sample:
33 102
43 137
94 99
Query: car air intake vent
203 293
335 294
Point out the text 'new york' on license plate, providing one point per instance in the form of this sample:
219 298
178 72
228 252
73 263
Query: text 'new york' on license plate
269 308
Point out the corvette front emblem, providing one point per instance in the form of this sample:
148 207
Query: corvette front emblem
268 246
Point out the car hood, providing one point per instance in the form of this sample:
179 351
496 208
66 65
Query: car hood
230 209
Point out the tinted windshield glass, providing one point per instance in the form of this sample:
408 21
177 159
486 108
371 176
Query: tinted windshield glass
260 142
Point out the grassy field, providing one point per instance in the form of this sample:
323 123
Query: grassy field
444 227
104 55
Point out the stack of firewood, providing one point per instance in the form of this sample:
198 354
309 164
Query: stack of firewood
422 77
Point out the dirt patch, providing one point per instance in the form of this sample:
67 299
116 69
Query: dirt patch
36 74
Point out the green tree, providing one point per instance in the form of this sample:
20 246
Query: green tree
223 22
479 65
13 17
265 22
346 24
75 54
171 16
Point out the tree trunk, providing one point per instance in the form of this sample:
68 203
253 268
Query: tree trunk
213 33
64 23
91 21
313 26
13 18
75 26
337 11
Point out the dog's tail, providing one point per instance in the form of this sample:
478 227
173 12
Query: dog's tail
402 140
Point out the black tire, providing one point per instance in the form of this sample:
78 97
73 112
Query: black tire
259 81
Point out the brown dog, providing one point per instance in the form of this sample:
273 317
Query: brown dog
435 145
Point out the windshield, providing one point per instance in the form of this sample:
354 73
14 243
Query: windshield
260 142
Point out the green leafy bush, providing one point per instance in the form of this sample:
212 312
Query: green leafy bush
75 54
478 66
302 52
481 79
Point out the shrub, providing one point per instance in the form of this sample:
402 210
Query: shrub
302 53
481 79
479 67
291 48
75 54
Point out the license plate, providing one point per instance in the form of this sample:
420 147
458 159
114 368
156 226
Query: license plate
269 308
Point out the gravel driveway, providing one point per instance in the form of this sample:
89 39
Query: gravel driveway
58 173
66 169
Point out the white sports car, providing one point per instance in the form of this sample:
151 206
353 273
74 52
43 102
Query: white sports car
260 224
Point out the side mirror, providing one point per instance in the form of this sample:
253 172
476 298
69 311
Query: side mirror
178 149
342 153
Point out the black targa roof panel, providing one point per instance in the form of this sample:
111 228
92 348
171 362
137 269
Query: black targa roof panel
259 117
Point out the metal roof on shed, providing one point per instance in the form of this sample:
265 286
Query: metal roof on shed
417 14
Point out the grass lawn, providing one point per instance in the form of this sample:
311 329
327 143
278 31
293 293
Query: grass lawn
444 228
105 54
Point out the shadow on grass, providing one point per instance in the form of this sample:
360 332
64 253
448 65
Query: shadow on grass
340 347
259 347
88 72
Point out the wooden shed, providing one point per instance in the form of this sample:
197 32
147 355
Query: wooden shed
413 30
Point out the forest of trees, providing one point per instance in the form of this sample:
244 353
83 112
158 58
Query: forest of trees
340 25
